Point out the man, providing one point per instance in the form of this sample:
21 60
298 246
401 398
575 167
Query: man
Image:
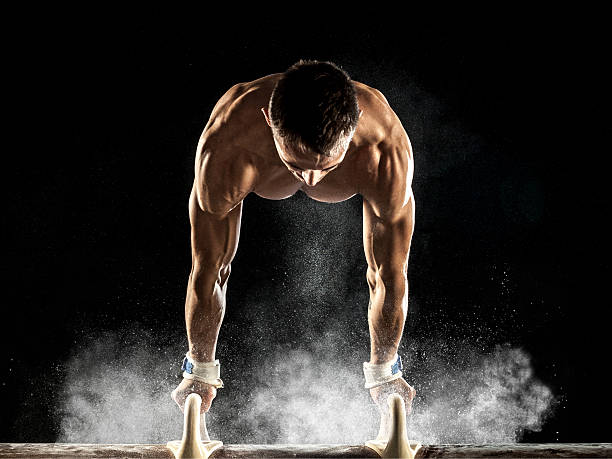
311 129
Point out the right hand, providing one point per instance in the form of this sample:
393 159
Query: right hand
188 386
380 396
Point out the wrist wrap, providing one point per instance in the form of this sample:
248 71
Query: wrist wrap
206 372
379 374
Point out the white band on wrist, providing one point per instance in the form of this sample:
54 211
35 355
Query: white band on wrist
377 374
206 372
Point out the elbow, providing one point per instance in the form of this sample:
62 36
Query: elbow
206 277
391 280
393 273
395 285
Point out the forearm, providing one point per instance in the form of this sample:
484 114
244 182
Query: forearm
204 312
386 315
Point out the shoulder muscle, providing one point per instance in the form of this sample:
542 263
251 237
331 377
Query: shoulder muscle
223 179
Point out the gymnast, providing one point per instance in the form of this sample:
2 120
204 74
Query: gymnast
313 129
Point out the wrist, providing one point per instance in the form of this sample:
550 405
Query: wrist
377 374
206 372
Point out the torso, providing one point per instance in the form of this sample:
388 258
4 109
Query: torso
237 134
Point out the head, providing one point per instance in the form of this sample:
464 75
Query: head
313 113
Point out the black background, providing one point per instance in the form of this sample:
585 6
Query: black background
106 115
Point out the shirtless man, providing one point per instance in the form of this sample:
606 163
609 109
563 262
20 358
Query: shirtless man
311 129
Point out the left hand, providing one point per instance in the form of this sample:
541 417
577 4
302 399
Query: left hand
379 396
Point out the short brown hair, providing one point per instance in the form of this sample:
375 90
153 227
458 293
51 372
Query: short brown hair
314 107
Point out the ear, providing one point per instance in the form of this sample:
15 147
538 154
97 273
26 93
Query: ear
266 116
360 113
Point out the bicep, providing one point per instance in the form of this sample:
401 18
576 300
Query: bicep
387 238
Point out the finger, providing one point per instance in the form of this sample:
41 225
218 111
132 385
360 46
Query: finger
179 399
205 406
207 400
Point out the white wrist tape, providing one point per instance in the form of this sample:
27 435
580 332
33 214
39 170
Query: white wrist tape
206 372
377 374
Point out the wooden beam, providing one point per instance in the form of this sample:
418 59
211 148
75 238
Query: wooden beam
515 450
519 450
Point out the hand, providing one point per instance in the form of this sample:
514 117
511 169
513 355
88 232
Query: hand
380 395
188 386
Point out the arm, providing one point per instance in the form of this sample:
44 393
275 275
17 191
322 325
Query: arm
386 241
214 240
388 224
222 181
